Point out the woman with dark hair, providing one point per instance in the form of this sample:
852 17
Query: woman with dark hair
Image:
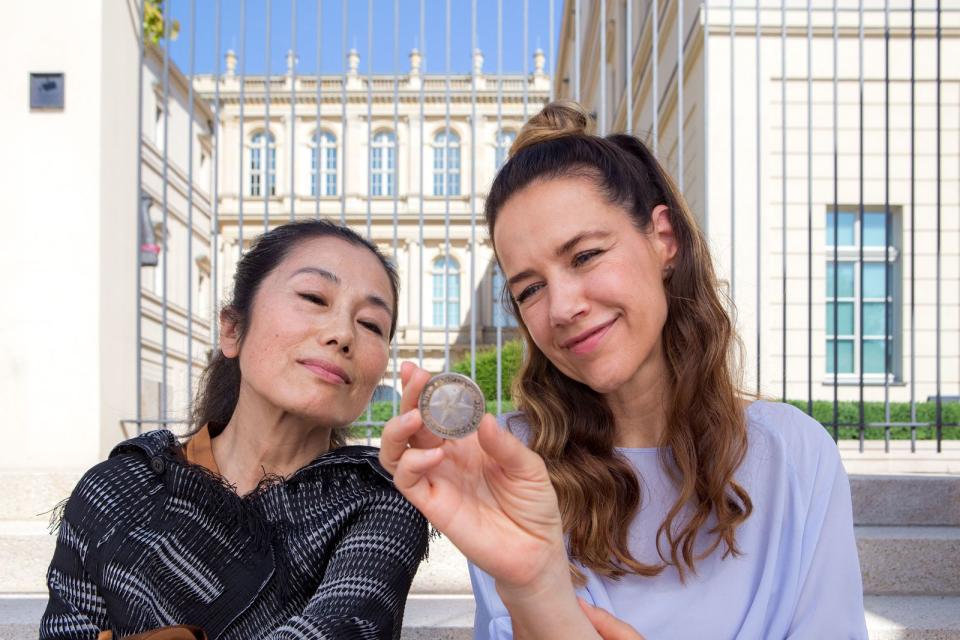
264 524
637 474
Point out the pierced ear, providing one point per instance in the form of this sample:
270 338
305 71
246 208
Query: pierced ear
664 237
229 333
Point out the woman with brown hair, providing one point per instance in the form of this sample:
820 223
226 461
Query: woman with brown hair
636 473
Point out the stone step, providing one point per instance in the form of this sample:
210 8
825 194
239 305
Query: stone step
445 617
909 560
891 500
913 617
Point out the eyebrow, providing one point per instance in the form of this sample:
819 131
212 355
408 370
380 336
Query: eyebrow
372 298
562 250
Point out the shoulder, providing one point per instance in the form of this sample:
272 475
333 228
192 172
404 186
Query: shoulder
115 486
783 435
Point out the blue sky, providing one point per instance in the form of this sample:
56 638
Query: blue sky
331 34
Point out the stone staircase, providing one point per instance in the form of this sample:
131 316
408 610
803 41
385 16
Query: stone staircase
907 527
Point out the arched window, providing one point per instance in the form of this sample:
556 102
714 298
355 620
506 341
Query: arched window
505 139
383 164
446 292
263 150
502 315
446 164
323 165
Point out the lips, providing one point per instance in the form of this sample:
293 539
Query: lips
588 340
326 370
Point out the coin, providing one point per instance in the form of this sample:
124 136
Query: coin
451 405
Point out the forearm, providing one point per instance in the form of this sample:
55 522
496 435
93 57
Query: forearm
547 610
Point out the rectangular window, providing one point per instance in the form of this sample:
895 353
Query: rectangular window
862 302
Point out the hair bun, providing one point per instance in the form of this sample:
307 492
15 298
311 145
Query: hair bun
559 119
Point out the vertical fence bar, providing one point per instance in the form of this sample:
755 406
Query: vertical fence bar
140 221
370 122
836 231
759 150
733 154
680 80
939 257
706 111
446 194
526 56
293 109
628 64
783 193
343 119
370 156
215 232
193 46
423 125
318 174
553 64
602 60
655 103
809 208
396 177
576 50
862 215
164 238
241 134
268 153
888 228
913 220
473 195
497 322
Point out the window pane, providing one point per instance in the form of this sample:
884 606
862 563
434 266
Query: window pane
873 356
453 314
844 229
874 230
844 318
873 319
844 356
873 280
844 280
438 314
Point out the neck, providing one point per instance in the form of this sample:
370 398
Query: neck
262 439
639 406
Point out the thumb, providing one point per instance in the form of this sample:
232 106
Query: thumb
507 450
608 626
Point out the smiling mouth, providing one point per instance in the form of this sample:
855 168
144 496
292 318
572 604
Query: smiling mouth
588 340
326 371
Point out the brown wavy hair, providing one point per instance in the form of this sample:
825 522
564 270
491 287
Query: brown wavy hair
571 426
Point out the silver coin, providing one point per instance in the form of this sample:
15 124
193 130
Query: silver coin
451 405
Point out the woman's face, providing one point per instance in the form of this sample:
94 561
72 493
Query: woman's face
317 340
588 283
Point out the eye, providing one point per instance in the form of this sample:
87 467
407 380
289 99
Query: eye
529 291
315 299
372 326
585 256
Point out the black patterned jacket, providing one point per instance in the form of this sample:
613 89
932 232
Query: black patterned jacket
148 540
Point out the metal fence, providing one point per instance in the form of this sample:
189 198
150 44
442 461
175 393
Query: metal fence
865 256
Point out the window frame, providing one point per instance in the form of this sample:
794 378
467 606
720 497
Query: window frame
321 173
851 254
255 150
385 174
452 299
446 163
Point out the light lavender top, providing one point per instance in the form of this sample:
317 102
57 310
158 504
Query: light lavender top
798 576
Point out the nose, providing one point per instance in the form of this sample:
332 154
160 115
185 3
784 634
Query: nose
338 333
567 302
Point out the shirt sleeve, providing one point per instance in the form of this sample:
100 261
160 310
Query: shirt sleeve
365 586
491 620
75 608
830 602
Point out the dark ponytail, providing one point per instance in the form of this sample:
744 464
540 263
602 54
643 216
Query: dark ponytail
219 386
